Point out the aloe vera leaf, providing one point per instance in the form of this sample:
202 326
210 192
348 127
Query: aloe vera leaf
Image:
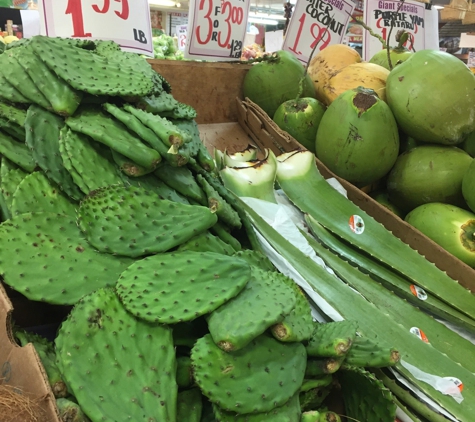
299 178
375 323
408 399
442 338
388 278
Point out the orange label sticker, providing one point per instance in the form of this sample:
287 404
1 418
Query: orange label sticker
418 292
456 381
356 224
419 333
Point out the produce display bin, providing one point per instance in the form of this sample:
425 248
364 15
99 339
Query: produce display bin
268 135
226 121
210 87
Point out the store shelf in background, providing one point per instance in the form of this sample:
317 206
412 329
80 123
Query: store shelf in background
210 87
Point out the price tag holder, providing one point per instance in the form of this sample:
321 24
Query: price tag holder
379 15
127 22
216 29
315 21
181 32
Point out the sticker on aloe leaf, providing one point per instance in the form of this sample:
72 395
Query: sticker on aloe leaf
356 224
418 292
419 333
458 384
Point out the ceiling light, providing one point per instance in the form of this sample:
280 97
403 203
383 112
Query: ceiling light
267 16
164 3
437 6
262 21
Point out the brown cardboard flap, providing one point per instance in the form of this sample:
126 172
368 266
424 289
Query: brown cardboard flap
209 87
21 368
279 141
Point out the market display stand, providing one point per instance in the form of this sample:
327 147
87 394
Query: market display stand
226 121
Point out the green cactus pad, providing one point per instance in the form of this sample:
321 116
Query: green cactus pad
289 412
264 301
128 167
225 212
182 180
367 352
255 258
42 137
9 184
45 257
258 378
17 132
5 213
152 183
145 133
47 355
189 405
15 74
67 163
90 72
118 367
184 371
93 167
313 398
181 286
17 152
365 397
70 411
132 221
12 120
5 166
35 193
298 325
9 93
63 99
170 134
157 103
332 339
206 242
94 122
181 111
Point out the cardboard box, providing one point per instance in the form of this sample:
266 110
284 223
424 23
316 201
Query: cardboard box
22 374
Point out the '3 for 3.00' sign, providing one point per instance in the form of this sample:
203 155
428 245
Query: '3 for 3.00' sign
127 22
217 29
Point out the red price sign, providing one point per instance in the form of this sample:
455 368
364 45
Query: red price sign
126 22
317 21
409 16
217 29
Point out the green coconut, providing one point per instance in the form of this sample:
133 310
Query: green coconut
273 81
432 96
300 119
468 145
382 198
428 173
451 227
468 186
358 137
398 54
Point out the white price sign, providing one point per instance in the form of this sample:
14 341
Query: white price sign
181 32
126 22
409 16
217 29
315 21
